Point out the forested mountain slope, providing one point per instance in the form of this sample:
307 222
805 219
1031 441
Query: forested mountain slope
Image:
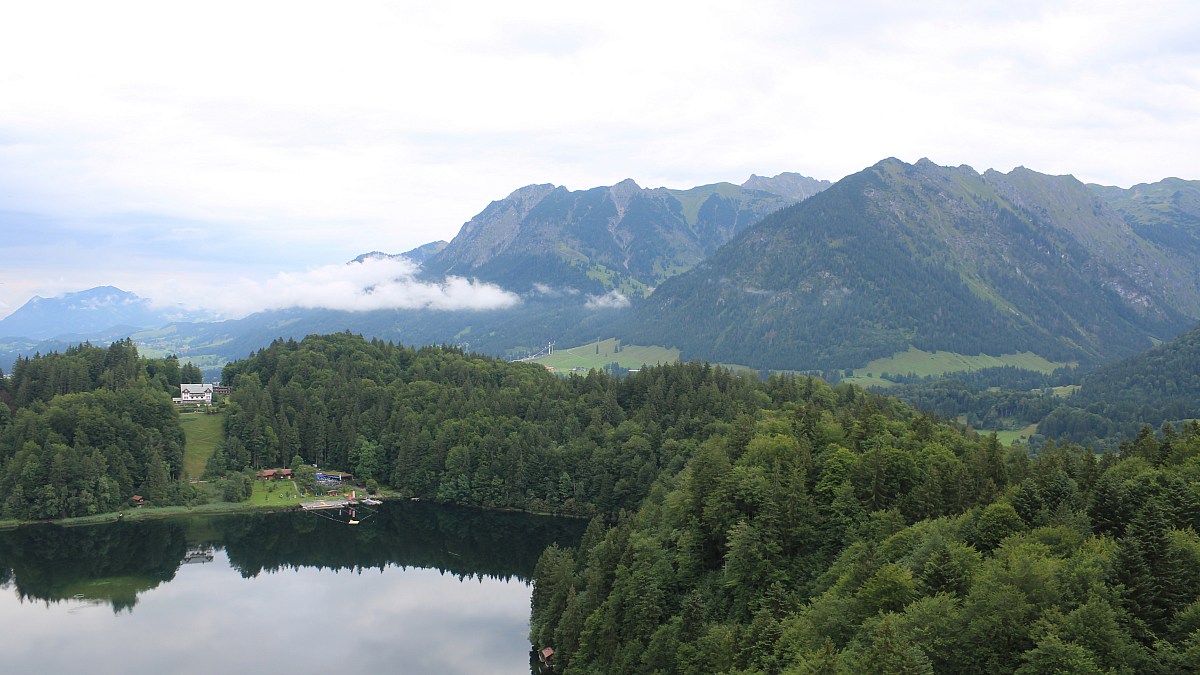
511 332
1113 401
91 427
935 257
840 533
622 237
435 422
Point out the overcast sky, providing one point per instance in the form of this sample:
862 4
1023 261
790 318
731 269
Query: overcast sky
181 150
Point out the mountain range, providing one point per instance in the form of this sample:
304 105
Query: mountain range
941 258
623 237
786 272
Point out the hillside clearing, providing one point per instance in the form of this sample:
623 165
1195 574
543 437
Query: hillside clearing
1009 437
922 363
597 355
203 432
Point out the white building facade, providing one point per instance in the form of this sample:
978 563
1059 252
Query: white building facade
195 393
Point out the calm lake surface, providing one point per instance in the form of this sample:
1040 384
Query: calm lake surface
414 588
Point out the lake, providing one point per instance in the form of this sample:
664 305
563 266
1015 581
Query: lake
414 588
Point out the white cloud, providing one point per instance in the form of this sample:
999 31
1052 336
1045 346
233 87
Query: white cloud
308 135
613 299
372 284
553 291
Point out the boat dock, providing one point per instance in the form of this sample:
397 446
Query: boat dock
323 504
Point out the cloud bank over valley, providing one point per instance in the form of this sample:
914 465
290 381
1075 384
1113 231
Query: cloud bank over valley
370 284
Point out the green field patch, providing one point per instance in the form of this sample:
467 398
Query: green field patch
924 363
747 370
203 432
869 381
274 493
597 355
112 589
1008 437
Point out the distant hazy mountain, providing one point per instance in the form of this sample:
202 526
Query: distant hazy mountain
91 314
425 251
940 258
418 255
622 237
791 185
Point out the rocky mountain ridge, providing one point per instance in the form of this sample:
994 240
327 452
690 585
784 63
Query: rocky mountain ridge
621 237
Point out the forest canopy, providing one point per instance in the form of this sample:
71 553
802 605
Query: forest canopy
737 525
89 428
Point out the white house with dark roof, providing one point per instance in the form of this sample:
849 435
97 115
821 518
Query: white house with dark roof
195 393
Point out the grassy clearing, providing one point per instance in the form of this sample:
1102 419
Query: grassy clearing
1007 437
940 363
747 370
867 382
599 354
274 493
157 512
125 589
203 432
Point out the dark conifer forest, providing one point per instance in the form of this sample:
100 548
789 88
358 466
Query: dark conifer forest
89 428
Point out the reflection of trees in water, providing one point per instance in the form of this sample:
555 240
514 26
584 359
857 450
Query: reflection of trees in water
52 563
462 541
114 562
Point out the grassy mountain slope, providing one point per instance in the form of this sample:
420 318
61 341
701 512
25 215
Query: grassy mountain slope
939 258
1167 212
601 353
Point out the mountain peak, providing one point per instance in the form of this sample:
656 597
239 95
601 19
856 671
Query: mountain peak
791 185
623 193
90 311
610 237
1006 263
373 255
531 194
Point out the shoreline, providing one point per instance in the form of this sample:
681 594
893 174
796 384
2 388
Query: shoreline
151 513
223 508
